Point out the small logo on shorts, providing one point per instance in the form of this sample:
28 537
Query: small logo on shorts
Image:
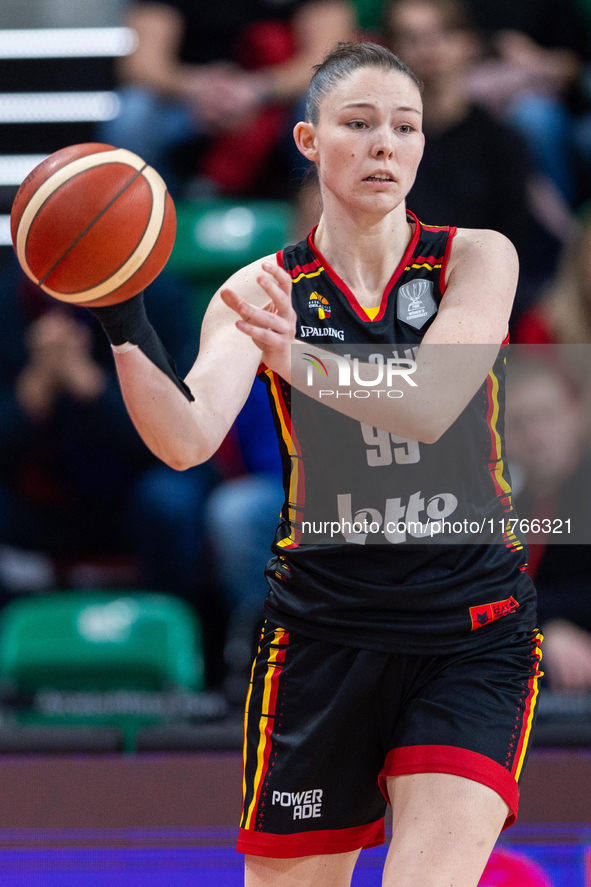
489 612
305 805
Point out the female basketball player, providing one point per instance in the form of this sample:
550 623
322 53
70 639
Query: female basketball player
406 673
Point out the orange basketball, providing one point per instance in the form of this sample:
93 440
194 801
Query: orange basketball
93 224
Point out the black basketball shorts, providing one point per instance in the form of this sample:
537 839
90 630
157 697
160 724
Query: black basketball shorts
326 725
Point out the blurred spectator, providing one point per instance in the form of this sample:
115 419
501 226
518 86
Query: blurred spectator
533 76
563 315
221 76
241 517
545 437
475 170
75 478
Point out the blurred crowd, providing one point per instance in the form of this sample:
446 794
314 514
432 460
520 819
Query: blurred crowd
209 98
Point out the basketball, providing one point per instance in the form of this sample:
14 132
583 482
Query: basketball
93 224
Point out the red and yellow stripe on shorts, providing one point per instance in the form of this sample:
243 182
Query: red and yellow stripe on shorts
525 721
259 724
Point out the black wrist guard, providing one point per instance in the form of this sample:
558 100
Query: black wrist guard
128 322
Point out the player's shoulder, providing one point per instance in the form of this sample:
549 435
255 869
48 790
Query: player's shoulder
484 247
249 273
474 241
244 281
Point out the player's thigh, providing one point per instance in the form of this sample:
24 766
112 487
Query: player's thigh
444 828
333 870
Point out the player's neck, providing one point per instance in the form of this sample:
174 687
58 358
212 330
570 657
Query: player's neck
363 251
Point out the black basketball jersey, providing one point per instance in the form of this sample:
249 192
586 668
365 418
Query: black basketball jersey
370 591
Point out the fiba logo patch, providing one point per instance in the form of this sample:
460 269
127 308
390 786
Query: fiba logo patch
416 303
319 303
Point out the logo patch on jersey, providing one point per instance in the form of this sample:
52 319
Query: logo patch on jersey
319 303
416 303
489 612
328 331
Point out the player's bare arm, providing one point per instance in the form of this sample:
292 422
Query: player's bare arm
181 432
481 282
482 277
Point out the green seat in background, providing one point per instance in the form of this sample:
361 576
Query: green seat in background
100 641
216 237
369 13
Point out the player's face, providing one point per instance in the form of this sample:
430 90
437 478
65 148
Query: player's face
368 139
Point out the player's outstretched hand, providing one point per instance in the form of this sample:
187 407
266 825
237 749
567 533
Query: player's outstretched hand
272 328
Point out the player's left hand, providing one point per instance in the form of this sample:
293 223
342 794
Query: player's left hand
272 328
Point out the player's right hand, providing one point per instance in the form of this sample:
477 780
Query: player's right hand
272 328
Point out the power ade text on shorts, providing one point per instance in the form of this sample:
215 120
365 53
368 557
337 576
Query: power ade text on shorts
306 805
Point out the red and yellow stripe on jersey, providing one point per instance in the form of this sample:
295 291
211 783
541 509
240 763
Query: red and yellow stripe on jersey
311 269
429 262
296 494
496 464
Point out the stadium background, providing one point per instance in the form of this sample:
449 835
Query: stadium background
119 745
